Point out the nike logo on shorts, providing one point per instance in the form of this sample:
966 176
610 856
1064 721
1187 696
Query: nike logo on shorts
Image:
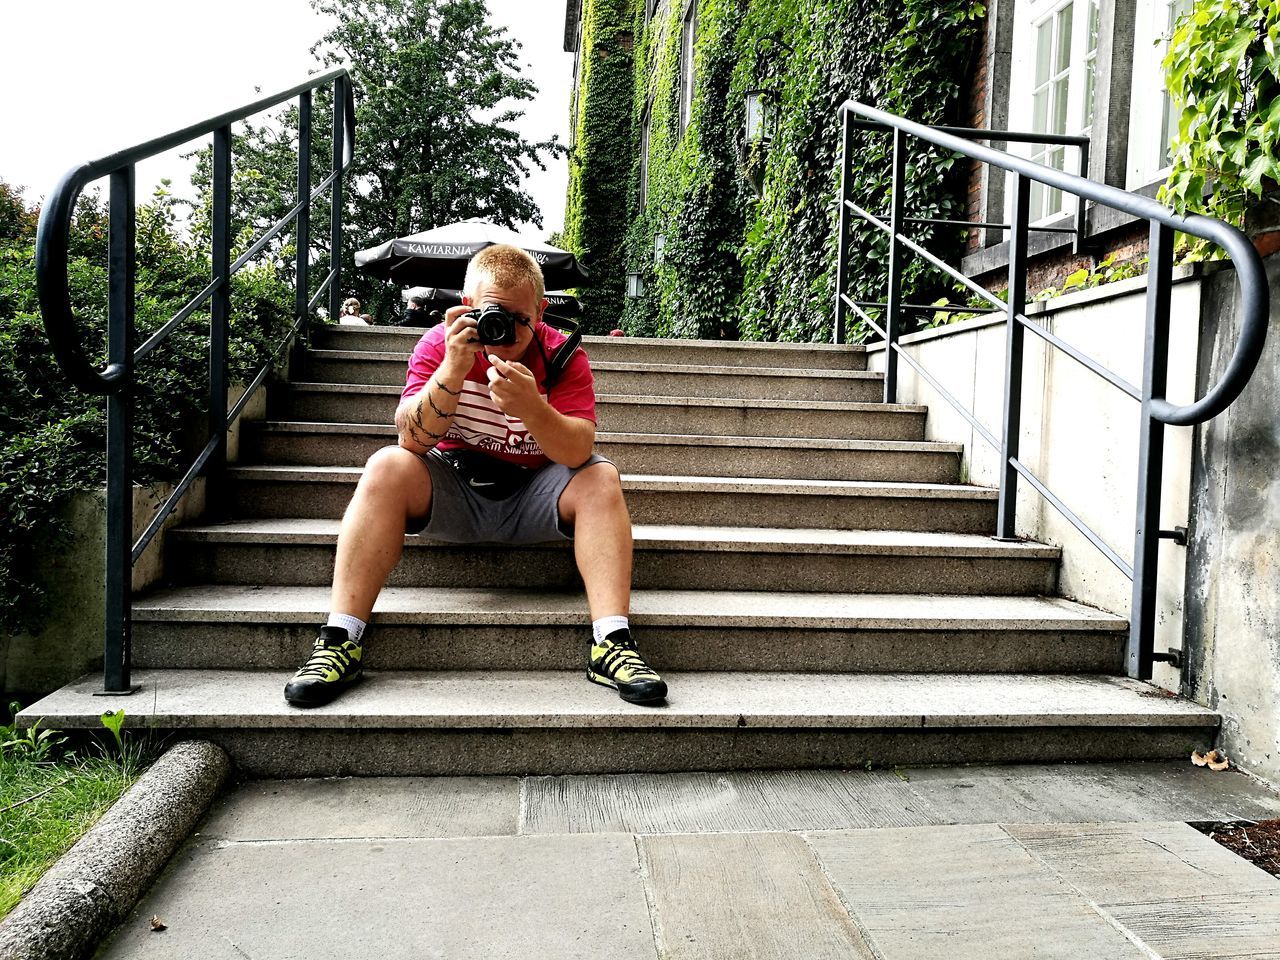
478 485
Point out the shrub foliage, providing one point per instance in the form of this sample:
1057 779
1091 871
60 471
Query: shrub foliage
53 434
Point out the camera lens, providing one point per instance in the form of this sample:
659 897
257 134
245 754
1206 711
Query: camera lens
495 327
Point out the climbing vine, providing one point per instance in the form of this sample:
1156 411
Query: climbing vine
601 158
1223 75
732 263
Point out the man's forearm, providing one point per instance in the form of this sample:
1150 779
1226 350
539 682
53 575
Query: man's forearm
566 440
423 420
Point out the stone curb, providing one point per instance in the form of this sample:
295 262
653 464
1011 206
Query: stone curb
98 881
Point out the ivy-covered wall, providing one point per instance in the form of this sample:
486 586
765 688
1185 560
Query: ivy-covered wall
735 264
601 159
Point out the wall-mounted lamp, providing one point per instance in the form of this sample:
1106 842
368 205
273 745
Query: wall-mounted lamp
659 248
761 111
635 286
761 122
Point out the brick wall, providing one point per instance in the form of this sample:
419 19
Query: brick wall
975 115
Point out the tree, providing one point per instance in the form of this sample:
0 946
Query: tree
438 90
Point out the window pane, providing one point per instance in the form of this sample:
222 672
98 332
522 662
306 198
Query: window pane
1044 49
1060 106
1063 59
1036 210
1040 111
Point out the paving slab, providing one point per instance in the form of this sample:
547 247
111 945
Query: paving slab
1087 792
716 803
347 808
1170 886
760 896
560 898
963 893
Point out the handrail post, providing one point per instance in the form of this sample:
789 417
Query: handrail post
1006 515
335 199
220 304
302 261
893 304
1139 656
122 261
842 238
1077 243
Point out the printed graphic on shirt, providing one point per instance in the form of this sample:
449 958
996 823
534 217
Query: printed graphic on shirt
480 423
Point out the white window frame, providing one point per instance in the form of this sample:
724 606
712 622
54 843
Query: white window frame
1151 129
1029 18
644 157
688 79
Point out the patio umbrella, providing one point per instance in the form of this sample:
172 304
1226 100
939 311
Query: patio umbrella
559 303
438 258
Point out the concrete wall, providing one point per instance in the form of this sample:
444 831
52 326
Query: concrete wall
70 644
1233 575
1080 434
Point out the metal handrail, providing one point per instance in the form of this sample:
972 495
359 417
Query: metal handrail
53 232
1157 411
116 378
1252 277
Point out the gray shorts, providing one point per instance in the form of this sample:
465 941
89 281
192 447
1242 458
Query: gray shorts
530 515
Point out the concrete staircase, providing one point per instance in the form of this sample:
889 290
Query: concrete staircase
813 579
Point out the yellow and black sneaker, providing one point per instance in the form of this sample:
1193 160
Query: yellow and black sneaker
333 666
616 663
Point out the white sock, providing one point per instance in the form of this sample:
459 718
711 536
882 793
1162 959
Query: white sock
353 626
606 625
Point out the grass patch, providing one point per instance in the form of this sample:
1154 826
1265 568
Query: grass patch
50 794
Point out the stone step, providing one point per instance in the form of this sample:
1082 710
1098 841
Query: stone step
532 722
271 628
893 461
706 416
300 552
636 379
677 416
375 403
268 491
803 356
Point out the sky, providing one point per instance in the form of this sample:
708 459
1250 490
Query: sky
83 78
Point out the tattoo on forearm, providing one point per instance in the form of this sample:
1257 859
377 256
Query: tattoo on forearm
452 393
438 412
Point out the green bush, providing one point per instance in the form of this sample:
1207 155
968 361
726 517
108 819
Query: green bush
53 434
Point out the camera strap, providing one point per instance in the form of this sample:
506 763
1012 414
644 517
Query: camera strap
564 353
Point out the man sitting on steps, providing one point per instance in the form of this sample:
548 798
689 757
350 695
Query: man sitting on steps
485 454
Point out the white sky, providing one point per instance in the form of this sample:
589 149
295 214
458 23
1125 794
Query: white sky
83 78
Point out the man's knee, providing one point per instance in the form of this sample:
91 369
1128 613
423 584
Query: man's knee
396 474
598 485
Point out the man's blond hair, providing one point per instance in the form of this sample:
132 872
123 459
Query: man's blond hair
506 267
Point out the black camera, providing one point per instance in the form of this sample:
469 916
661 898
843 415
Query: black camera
494 326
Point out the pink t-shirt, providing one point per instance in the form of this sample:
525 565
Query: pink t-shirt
479 424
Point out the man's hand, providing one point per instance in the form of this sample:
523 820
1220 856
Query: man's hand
514 389
461 343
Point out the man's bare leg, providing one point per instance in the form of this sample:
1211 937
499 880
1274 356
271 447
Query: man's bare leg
395 487
602 545
593 504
